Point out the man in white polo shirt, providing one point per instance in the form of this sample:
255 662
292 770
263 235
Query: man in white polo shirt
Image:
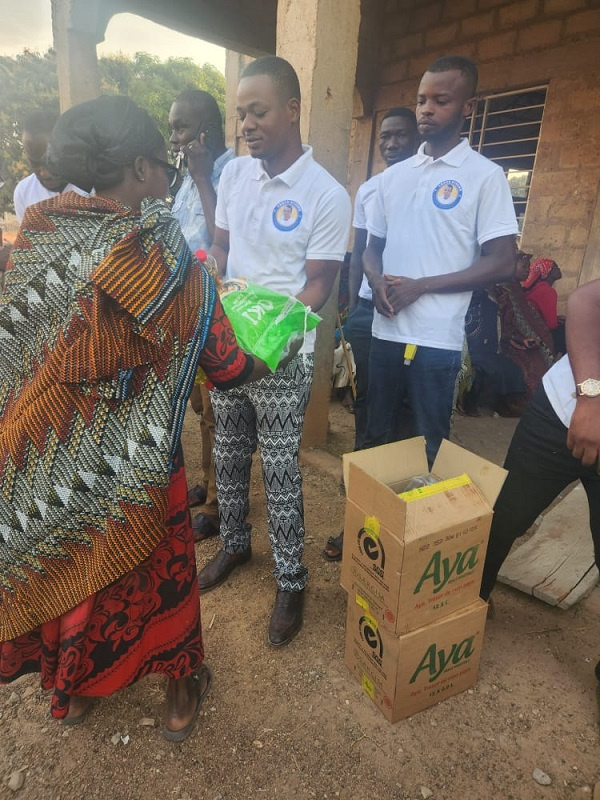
398 140
282 222
557 440
442 224
41 184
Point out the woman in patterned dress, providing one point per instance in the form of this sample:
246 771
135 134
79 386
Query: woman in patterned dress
104 320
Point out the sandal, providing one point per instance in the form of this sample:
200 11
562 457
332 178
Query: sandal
333 548
79 718
182 734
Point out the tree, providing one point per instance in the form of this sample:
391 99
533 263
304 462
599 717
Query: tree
154 84
28 82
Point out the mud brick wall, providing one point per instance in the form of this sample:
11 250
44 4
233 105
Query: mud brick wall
515 45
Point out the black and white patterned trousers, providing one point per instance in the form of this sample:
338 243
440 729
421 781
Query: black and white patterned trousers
268 413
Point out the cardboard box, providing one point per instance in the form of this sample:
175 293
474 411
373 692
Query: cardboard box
406 674
412 561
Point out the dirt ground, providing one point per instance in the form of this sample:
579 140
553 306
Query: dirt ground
292 723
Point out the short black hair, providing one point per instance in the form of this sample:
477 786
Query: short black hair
93 142
463 65
202 103
39 123
281 73
401 111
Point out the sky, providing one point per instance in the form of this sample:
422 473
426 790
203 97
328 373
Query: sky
28 24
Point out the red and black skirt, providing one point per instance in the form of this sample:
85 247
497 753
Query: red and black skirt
147 621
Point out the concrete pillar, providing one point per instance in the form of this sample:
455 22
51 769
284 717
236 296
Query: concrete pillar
235 63
76 59
320 39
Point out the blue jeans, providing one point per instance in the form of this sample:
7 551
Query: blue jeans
427 385
358 333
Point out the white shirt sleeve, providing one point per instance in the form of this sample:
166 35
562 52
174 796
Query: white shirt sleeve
19 202
329 237
496 212
377 221
360 219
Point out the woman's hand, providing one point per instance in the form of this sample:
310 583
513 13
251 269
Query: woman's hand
291 353
261 370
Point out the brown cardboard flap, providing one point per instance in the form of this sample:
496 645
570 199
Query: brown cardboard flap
452 460
390 462
375 498
449 509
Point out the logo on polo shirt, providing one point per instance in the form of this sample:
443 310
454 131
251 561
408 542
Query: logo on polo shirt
447 194
287 215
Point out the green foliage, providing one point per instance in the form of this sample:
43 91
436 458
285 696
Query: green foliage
154 84
28 82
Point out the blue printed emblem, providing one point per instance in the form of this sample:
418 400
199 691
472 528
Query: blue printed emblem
287 215
447 194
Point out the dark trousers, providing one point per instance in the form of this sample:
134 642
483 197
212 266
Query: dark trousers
428 385
540 466
358 333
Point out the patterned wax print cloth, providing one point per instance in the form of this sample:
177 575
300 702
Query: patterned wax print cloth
102 323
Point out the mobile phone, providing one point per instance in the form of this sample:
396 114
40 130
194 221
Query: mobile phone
209 143
209 136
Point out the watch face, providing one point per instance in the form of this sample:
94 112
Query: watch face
590 387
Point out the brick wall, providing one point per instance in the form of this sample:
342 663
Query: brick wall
516 45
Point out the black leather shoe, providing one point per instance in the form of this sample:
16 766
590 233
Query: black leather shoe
196 496
217 570
203 528
286 619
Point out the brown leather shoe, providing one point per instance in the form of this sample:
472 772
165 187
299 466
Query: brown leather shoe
204 527
196 496
286 619
218 569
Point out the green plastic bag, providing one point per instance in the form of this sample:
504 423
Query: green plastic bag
266 323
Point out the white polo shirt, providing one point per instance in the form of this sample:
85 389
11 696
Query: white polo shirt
363 201
30 190
278 224
435 215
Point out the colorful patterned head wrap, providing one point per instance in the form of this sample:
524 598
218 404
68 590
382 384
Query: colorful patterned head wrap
538 270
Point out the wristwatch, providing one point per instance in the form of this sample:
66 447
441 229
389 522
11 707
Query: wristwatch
590 387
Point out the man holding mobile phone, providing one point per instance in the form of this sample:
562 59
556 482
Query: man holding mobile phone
197 141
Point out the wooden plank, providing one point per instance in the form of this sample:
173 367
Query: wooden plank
556 564
585 585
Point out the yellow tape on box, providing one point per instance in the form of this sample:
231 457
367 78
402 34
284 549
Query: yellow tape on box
435 488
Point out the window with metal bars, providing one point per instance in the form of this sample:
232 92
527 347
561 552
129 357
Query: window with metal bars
505 128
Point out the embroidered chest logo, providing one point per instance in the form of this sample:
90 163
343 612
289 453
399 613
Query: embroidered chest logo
447 194
287 215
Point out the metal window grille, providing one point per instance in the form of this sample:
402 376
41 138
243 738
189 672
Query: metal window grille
505 128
